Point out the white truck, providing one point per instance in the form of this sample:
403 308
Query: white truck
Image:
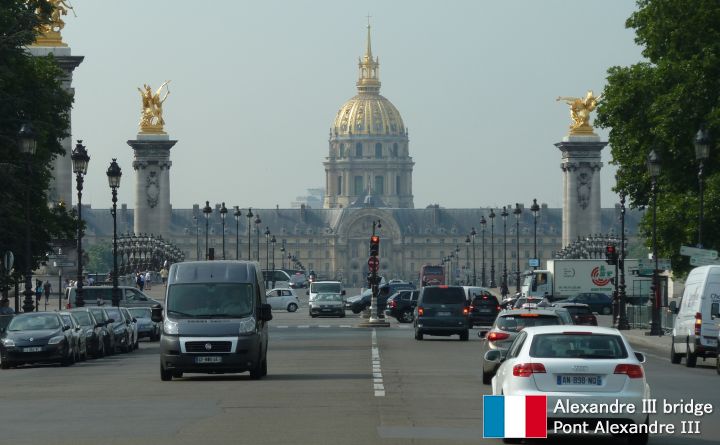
565 278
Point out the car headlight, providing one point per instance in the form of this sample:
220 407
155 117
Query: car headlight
8 342
170 327
56 340
247 326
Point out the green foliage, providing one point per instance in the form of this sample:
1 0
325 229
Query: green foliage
100 258
660 104
30 91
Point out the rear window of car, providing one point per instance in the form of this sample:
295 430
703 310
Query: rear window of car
484 300
326 287
83 318
443 295
518 322
577 310
578 345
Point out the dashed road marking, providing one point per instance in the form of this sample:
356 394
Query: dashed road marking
378 385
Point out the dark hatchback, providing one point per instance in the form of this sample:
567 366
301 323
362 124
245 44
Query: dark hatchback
483 311
580 313
600 303
36 337
442 310
401 305
95 332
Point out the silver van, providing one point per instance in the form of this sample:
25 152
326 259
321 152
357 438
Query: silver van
215 319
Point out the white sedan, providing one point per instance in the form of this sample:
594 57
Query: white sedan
581 369
283 298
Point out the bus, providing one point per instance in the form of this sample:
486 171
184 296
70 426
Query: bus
432 275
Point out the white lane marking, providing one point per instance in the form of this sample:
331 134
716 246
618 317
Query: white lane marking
345 326
378 386
324 326
304 326
282 327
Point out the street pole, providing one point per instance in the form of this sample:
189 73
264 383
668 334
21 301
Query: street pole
257 236
653 162
504 289
702 153
80 161
223 214
535 208
473 233
114 173
493 284
197 238
622 318
207 210
517 213
467 259
249 217
237 214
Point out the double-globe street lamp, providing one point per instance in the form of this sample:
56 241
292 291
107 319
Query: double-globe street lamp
653 165
237 214
27 145
80 160
114 173
517 213
702 153
273 241
207 210
223 214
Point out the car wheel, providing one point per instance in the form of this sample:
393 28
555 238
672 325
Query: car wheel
177 374
486 377
342 315
5 364
165 376
606 310
674 357
101 350
465 336
67 361
264 367
690 358
356 311
84 355
418 334
256 370
407 317
292 307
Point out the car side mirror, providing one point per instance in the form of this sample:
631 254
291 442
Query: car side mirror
77 329
715 310
265 312
156 313
110 320
66 327
673 307
99 325
342 292
494 355
482 334
640 357
134 320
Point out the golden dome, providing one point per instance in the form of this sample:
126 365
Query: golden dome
368 113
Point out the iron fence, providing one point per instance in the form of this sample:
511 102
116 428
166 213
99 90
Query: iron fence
639 317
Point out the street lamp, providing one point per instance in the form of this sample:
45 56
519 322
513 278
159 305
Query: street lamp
223 214
653 165
517 213
27 144
267 248
504 291
622 317
249 216
535 209
197 238
483 227
273 241
472 235
237 214
207 210
492 248
467 258
114 173
282 253
457 263
80 160
257 235
702 153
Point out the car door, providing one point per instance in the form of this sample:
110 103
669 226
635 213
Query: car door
505 370
135 298
274 299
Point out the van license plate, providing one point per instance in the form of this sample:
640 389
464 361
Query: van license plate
593 380
209 359
33 349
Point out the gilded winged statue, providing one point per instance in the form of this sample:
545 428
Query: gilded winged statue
151 118
580 108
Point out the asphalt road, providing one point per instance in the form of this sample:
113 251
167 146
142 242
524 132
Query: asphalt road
329 382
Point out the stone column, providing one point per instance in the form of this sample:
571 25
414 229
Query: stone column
581 164
152 185
61 184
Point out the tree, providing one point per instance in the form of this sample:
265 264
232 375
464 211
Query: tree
100 258
30 91
660 104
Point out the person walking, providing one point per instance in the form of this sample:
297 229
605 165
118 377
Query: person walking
47 290
164 276
5 308
38 294
148 280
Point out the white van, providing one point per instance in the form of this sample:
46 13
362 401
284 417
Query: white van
695 333
320 287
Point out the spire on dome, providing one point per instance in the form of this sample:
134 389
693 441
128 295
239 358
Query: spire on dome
368 81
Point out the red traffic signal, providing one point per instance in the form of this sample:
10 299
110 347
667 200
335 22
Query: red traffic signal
374 245
610 254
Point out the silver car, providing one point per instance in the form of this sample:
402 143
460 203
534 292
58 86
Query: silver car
327 304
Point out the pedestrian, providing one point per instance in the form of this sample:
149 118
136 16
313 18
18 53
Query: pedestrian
91 280
164 275
38 294
140 280
148 280
5 308
47 289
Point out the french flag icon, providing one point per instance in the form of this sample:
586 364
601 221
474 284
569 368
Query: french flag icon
520 417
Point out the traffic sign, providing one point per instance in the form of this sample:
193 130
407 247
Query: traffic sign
63 263
647 266
373 264
703 261
700 253
534 262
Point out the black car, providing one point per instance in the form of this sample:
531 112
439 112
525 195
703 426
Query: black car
483 310
104 319
442 310
598 302
121 329
36 337
95 332
401 305
361 302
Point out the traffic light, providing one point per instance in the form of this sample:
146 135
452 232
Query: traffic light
374 245
610 254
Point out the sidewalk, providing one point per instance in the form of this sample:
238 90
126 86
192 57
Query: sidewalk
637 338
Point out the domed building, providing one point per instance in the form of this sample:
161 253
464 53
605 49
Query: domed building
368 160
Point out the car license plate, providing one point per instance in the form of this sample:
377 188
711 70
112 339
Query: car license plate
326 310
592 380
208 359
443 314
33 349
485 310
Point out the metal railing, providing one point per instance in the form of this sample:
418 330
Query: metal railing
639 317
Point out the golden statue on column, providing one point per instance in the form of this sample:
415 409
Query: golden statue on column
580 108
49 33
151 119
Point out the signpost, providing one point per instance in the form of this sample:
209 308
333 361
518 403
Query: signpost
700 253
703 261
534 262
646 267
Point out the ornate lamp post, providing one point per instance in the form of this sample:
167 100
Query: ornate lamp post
467 258
223 214
504 290
114 173
80 160
535 209
28 144
517 213
653 165
237 214
267 248
249 216
273 241
472 235
207 210
702 153
492 248
197 238
622 317
483 226
282 253
457 262
257 236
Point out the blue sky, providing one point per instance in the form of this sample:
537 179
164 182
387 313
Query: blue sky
255 87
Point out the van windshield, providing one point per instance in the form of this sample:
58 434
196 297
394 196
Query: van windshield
330 288
206 300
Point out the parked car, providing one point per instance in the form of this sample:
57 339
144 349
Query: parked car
121 329
129 297
580 313
600 303
103 319
483 310
401 305
327 304
78 336
133 324
146 328
441 310
4 321
508 325
594 364
36 337
284 299
95 331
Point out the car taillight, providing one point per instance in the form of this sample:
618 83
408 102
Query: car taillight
527 369
465 311
472 308
68 306
497 307
698 323
393 304
632 371
421 312
495 336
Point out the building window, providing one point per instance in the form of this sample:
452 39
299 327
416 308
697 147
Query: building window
397 185
395 150
342 151
380 185
339 185
378 150
358 185
358 150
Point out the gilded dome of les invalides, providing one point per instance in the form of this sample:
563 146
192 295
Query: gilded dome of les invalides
368 113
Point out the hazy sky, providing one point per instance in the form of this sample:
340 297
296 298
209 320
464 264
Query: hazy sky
255 87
